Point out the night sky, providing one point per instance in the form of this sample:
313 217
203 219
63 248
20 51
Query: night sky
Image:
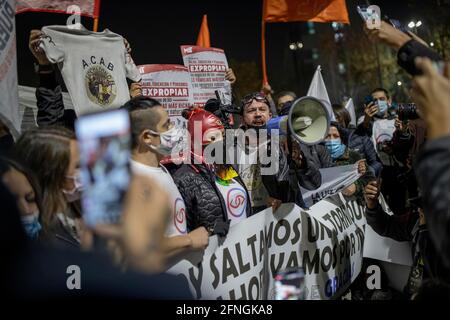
155 30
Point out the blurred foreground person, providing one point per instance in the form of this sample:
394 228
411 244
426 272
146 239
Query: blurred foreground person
431 91
52 155
32 271
153 138
23 186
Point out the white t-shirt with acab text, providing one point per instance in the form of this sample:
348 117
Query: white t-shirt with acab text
94 66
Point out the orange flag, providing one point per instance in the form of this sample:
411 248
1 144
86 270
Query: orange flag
203 36
305 10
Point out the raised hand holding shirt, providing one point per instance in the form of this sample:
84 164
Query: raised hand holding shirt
94 66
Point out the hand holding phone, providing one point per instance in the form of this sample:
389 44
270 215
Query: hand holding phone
104 141
290 285
371 15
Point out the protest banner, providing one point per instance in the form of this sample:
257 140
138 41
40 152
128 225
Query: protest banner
89 8
170 84
9 105
334 180
207 67
326 241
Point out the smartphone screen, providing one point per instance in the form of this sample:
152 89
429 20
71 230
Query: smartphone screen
367 13
290 285
104 143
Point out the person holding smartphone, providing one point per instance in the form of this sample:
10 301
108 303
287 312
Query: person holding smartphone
153 137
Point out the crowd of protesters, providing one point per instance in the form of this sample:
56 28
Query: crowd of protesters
40 183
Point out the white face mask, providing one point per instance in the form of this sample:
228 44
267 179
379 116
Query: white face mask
170 139
75 193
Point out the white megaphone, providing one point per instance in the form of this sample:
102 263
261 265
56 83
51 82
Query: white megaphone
308 121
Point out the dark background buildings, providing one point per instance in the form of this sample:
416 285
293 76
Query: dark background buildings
350 63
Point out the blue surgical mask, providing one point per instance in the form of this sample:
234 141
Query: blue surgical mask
31 225
335 147
382 107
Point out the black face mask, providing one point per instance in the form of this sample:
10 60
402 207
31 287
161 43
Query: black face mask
6 143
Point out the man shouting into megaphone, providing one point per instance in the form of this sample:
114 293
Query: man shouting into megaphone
294 169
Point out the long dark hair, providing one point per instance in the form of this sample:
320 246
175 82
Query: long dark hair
8 164
342 114
46 151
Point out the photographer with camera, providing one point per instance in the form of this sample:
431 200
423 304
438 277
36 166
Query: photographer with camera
379 124
410 135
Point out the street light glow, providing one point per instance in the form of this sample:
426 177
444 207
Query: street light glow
431 44
411 25
418 23
293 46
399 83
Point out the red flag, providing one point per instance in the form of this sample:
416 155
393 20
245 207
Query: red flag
305 10
89 8
203 36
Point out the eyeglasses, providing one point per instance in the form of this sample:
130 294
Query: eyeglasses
255 96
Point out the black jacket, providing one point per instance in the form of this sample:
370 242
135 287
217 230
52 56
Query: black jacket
285 184
358 141
433 174
205 205
318 155
49 101
406 228
34 272
410 51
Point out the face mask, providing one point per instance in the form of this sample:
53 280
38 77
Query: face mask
75 193
31 225
382 106
335 147
169 140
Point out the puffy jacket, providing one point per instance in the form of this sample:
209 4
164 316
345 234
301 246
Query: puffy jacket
317 154
285 184
205 205
358 141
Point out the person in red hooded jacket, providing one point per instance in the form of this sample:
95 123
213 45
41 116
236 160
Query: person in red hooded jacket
214 194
